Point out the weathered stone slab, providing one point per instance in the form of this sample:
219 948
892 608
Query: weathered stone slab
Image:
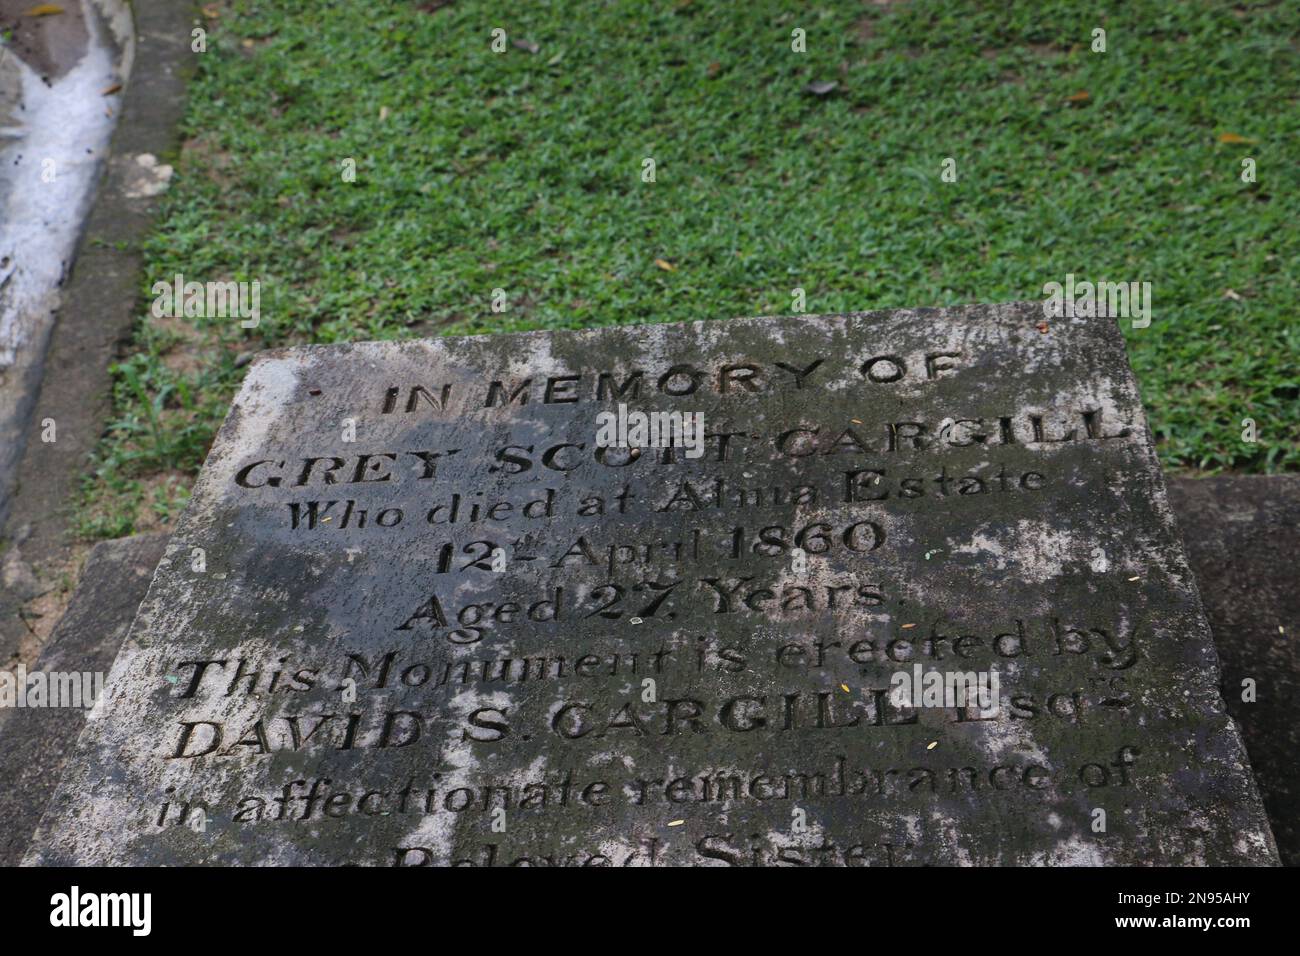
625 652
36 742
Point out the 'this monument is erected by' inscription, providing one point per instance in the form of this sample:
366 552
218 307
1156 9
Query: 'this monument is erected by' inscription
417 614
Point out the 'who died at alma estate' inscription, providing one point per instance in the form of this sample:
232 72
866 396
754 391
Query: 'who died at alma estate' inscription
416 613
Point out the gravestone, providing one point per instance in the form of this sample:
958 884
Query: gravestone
427 606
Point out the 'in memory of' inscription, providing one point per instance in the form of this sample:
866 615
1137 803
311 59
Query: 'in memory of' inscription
418 612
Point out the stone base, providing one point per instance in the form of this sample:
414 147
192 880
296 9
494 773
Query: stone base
1242 536
35 742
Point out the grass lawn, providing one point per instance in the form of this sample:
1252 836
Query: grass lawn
522 170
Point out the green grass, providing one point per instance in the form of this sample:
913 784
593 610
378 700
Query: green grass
521 170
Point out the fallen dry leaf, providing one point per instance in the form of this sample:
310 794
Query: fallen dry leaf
1081 97
933 744
665 265
845 688
675 823
112 89
44 10
907 626
211 11
714 69
1234 138
1232 294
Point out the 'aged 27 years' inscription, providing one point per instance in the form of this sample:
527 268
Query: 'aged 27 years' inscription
692 594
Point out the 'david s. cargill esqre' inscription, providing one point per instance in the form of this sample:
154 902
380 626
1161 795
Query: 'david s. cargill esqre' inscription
882 589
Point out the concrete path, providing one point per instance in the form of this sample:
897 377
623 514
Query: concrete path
97 306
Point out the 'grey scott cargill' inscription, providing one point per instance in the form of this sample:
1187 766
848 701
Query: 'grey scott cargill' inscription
416 613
